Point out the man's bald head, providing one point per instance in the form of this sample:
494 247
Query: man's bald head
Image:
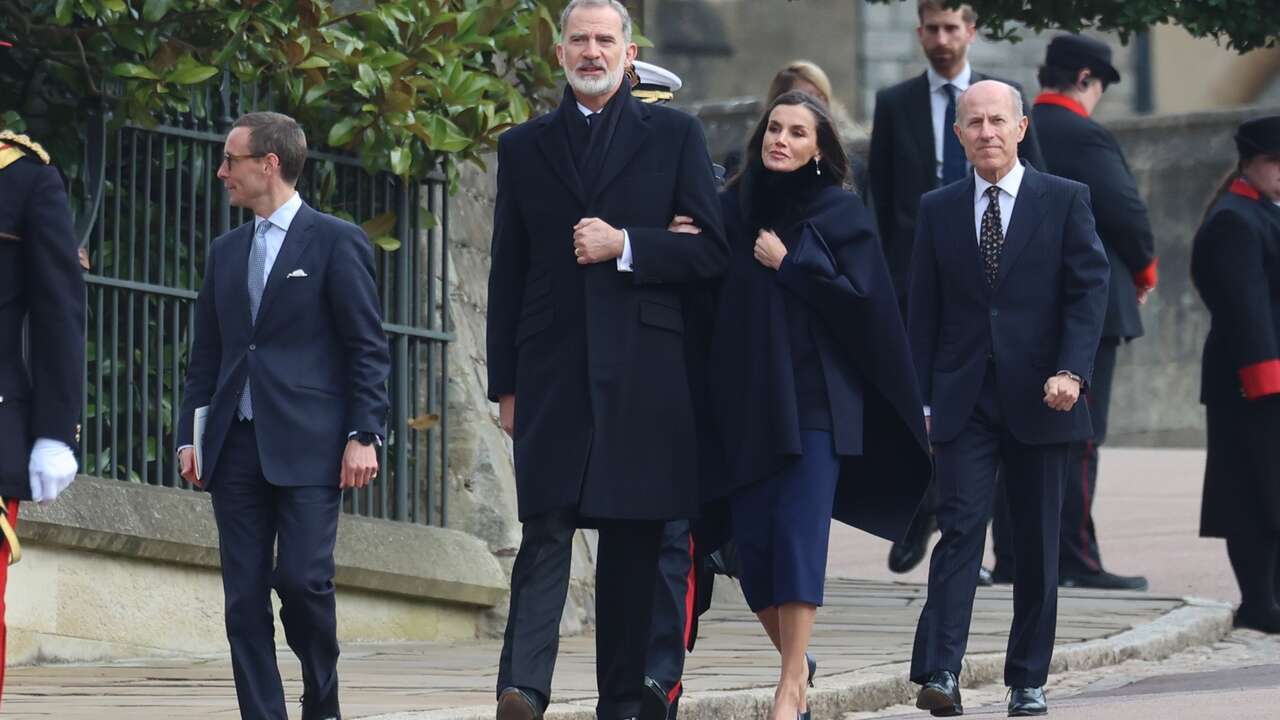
987 90
990 124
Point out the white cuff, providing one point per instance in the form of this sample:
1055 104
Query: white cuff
928 412
624 260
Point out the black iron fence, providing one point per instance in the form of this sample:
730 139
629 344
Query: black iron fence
152 205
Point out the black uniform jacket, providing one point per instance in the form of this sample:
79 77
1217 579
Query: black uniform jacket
903 165
41 283
1235 263
1044 314
1077 148
835 265
316 359
596 358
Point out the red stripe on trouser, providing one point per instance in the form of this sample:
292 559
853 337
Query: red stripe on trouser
1086 509
12 510
690 599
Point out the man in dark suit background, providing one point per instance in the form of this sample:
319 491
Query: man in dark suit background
914 150
585 351
290 358
1008 293
1076 72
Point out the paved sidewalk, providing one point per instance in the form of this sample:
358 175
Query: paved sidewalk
865 626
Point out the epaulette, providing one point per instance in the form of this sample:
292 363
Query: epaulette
14 146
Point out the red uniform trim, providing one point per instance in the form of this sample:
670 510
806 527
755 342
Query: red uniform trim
1146 278
690 607
1053 98
1242 188
11 509
1260 379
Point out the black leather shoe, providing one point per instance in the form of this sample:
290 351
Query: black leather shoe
1001 575
1267 620
984 578
653 702
321 709
910 550
516 704
1103 581
1025 702
941 695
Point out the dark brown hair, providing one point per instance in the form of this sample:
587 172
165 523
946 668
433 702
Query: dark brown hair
966 10
272 133
834 161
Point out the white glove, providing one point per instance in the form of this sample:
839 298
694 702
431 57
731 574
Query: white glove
53 467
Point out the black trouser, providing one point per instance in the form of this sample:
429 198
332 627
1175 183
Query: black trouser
1078 548
967 471
300 524
673 600
626 570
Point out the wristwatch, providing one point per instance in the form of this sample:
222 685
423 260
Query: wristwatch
366 438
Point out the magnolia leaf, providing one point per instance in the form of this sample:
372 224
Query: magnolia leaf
191 73
367 76
154 10
342 132
312 63
132 70
387 243
379 225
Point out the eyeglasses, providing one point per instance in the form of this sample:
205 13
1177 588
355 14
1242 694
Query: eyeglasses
231 159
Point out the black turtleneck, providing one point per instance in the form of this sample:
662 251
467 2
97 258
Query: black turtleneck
779 201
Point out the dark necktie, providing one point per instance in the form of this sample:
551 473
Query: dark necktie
992 239
585 148
953 162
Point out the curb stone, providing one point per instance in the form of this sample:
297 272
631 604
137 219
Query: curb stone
1196 622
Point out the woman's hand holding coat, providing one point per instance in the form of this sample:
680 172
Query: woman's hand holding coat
769 250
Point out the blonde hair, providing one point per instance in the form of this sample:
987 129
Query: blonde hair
795 72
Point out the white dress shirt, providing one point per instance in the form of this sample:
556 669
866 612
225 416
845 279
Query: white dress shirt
624 260
1008 185
938 106
278 227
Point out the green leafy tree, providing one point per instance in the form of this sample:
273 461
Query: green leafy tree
1241 24
409 85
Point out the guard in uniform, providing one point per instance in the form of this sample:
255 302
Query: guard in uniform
1235 265
41 289
673 629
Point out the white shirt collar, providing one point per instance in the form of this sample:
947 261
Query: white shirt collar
283 216
961 81
1010 183
585 110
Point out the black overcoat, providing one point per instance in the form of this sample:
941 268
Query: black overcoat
1235 263
836 266
1078 148
596 359
41 284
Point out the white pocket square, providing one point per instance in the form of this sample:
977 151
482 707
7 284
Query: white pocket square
299 273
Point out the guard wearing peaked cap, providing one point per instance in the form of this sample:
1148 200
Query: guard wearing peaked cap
1235 265
41 288
1076 73
683 589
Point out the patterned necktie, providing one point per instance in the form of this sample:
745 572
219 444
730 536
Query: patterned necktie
992 240
257 283
953 162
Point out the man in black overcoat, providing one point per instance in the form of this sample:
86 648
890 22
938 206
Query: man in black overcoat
1008 293
586 353
913 151
1076 72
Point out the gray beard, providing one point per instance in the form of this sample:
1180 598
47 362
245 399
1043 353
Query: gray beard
595 88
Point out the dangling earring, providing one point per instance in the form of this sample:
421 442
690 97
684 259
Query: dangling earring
817 168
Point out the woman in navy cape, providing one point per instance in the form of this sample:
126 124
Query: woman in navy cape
812 390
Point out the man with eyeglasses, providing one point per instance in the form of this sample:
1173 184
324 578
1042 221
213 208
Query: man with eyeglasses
289 364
